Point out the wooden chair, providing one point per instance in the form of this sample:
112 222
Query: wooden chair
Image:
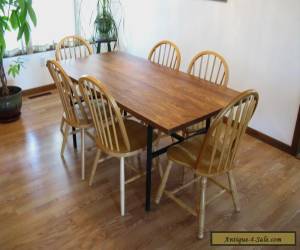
72 47
211 155
115 135
165 53
212 67
75 113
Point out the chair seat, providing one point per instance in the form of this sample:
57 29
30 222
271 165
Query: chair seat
196 127
84 123
81 122
137 135
186 153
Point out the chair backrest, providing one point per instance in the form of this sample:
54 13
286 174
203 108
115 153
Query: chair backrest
71 102
223 137
165 53
210 66
106 115
72 47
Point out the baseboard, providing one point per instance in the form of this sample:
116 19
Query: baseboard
38 90
269 140
296 138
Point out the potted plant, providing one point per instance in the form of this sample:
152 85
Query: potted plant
105 25
15 15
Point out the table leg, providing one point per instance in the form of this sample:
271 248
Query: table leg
74 138
149 167
98 47
207 124
108 47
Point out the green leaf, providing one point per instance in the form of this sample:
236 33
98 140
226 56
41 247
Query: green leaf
2 8
22 4
32 14
10 71
22 16
14 19
2 45
27 33
21 32
4 24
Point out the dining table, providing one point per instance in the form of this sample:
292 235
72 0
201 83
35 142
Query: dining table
162 98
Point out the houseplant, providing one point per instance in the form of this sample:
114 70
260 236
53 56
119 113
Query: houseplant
105 25
15 15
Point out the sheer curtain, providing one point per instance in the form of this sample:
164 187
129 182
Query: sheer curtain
11 40
56 19
86 12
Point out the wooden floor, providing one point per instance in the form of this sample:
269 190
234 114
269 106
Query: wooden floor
45 205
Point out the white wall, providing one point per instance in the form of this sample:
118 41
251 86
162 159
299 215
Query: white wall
34 73
259 38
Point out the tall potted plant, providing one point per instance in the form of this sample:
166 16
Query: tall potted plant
15 15
105 25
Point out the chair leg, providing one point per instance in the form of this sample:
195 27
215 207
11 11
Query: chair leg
139 162
163 182
201 218
160 170
122 186
82 131
234 193
183 176
65 139
95 164
157 159
62 123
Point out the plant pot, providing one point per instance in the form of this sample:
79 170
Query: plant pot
10 106
105 27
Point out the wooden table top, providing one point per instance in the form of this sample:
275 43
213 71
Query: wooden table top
164 98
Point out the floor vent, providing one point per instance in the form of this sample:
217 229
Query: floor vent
39 95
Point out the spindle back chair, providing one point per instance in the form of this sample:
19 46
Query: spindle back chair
165 53
210 66
75 114
211 155
116 136
69 95
72 47
223 137
106 116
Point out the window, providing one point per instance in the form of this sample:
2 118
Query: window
86 12
55 20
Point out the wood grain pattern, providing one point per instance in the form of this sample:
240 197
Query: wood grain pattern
166 99
45 205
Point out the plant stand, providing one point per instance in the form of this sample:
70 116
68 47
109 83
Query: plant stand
108 42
